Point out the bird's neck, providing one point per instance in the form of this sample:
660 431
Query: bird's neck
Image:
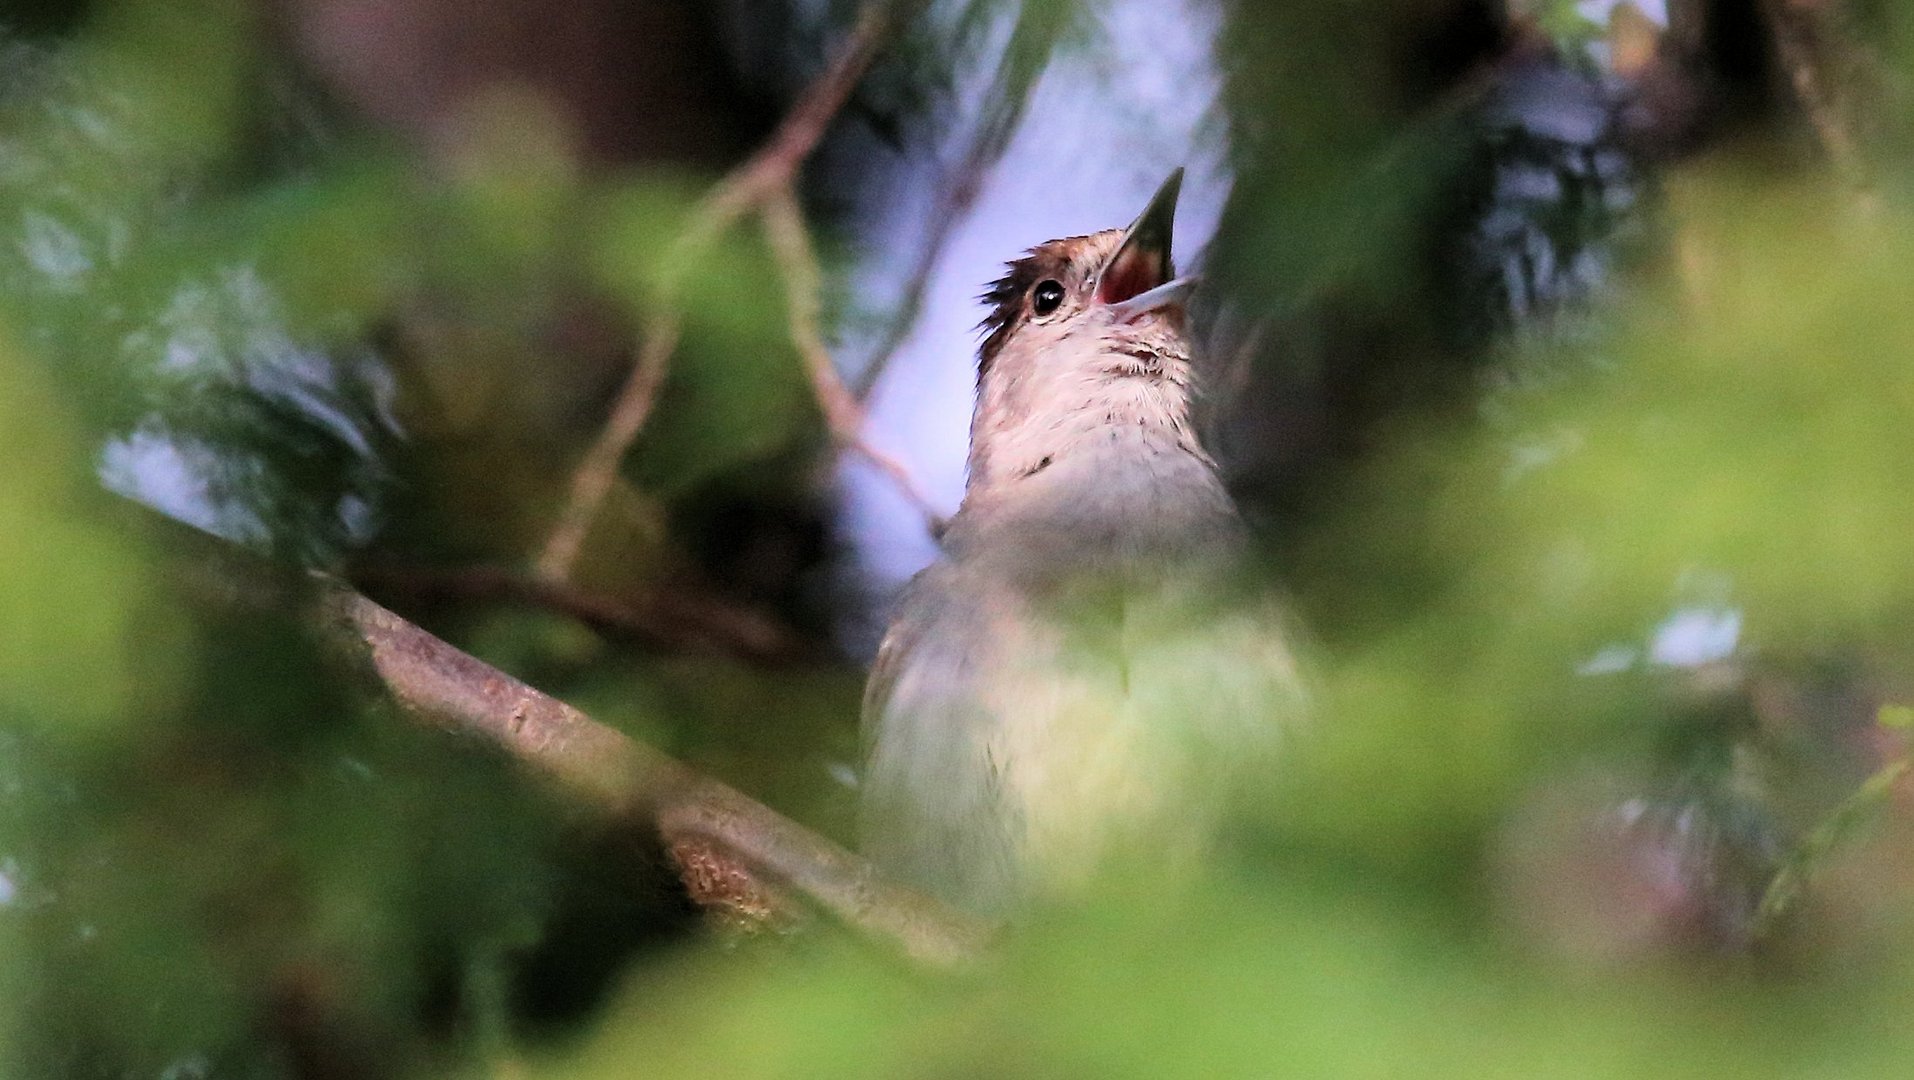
1122 412
1117 494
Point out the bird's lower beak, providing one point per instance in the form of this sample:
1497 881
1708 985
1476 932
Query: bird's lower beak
1168 294
1141 264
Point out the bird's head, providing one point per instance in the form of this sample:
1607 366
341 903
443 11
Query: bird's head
1084 333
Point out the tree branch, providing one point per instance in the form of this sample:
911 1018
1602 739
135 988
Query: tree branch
622 777
776 165
768 171
797 264
717 834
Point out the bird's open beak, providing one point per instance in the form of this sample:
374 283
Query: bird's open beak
1140 278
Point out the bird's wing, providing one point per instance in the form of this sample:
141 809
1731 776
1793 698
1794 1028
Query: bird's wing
891 653
932 812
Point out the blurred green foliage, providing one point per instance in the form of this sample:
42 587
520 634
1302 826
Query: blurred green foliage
222 856
75 590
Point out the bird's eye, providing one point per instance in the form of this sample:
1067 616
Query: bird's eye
1046 297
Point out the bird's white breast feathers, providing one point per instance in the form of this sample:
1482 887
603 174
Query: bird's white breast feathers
1023 727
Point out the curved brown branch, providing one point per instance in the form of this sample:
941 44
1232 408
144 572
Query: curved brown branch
797 264
768 171
622 777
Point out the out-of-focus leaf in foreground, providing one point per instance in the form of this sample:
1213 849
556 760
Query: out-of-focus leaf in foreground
87 645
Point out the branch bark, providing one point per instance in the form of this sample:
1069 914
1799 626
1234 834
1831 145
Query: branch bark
622 777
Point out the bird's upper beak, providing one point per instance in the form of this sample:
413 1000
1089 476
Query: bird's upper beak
1140 278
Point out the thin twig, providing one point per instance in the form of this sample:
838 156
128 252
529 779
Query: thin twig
599 467
668 620
797 263
1020 62
1785 890
776 165
767 171
958 196
1794 38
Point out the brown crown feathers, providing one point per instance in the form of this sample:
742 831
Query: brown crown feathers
1072 260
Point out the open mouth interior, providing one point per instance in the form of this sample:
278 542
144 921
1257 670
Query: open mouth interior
1133 272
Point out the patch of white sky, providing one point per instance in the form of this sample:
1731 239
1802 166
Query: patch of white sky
1597 11
1107 121
1705 627
174 476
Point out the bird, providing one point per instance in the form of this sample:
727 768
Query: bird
1081 672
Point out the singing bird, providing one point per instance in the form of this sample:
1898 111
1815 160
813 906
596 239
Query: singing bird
1082 669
